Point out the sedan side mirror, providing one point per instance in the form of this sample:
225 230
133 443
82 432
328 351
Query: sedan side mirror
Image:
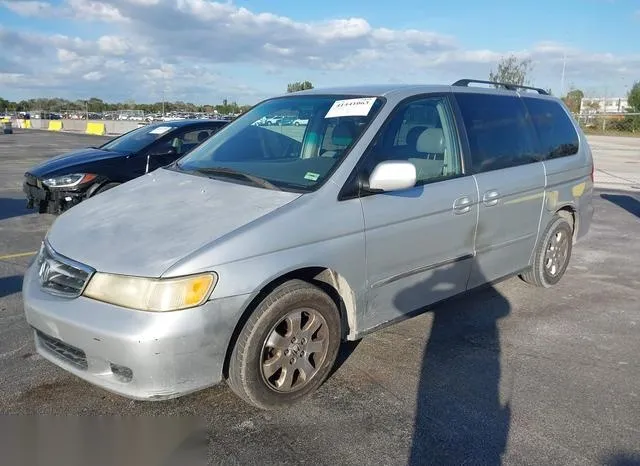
164 150
393 175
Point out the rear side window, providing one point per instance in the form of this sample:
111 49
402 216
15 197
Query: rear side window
558 136
499 131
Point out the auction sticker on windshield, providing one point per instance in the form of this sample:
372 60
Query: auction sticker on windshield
160 130
351 107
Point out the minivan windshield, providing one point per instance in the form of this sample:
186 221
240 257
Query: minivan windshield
138 139
288 143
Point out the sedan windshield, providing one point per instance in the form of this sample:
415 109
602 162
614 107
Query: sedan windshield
292 142
138 139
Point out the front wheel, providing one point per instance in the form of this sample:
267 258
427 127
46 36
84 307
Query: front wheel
287 347
552 254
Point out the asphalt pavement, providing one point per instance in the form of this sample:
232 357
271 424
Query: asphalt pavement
510 374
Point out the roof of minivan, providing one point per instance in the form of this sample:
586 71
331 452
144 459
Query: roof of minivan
401 91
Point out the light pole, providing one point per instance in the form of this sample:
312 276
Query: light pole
564 66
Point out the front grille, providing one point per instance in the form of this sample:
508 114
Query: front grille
69 353
59 275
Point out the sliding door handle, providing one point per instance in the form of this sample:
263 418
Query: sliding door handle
491 198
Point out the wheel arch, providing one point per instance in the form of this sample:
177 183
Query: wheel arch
95 187
569 212
330 281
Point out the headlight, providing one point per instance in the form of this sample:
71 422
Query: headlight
68 181
151 294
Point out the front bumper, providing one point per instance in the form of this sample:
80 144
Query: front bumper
50 201
140 355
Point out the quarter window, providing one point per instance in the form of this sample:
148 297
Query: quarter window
421 132
499 131
558 136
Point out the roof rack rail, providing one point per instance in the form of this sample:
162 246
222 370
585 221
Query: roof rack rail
511 87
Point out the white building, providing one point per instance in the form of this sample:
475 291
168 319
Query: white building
603 105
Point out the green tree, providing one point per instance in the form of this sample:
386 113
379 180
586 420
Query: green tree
95 105
512 70
573 99
299 86
4 104
633 98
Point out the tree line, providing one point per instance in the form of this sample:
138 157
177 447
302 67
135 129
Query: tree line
96 105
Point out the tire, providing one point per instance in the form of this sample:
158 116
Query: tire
105 187
550 265
270 367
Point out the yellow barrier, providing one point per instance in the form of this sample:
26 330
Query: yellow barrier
5 120
55 125
26 124
97 129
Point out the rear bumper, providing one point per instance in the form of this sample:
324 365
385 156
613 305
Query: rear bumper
140 355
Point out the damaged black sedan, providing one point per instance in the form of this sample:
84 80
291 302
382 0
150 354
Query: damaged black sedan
66 180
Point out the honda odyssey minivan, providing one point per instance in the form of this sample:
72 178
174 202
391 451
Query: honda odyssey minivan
252 257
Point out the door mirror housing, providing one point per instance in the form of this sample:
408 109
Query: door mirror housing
163 150
394 175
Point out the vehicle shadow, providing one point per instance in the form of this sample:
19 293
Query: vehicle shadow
628 203
459 417
11 207
10 285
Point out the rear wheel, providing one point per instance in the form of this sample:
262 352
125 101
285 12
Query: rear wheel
552 254
287 347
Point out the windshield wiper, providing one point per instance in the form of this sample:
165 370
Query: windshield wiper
223 171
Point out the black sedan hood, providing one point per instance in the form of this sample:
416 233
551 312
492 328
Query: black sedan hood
59 164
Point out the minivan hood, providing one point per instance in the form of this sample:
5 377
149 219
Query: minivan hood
59 163
146 225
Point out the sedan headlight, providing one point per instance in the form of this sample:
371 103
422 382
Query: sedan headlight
68 181
151 294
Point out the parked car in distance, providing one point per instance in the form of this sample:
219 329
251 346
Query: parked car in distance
252 257
61 182
286 121
300 122
272 121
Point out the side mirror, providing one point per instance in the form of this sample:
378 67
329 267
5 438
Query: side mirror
164 150
393 175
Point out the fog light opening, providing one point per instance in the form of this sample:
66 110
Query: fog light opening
122 373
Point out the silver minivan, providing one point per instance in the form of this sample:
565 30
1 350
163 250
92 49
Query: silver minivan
251 258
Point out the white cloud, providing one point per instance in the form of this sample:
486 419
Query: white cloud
28 7
113 45
65 55
93 76
203 50
95 10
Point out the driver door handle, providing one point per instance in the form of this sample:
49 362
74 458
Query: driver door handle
491 198
462 205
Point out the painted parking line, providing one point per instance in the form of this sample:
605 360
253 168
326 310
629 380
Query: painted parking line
20 254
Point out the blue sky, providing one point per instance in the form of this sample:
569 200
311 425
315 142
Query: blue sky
203 51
